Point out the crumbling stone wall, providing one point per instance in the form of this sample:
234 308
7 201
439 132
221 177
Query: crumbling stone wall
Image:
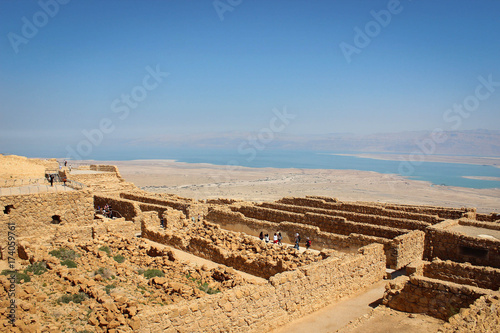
460 273
442 212
493 217
338 225
182 206
287 296
386 221
439 299
482 316
235 250
362 208
450 245
127 208
44 213
406 248
400 251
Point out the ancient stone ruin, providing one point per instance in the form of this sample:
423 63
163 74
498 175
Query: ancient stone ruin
163 263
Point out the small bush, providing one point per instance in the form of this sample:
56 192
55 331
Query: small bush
105 249
75 298
104 272
37 268
151 273
119 258
20 276
64 254
109 287
204 287
69 263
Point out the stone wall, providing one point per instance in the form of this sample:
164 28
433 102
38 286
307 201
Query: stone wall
392 222
127 208
241 252
493 217
182 206
327 223
400 251
450 245
439 299
362 208
406 248
482 316
477 276
45 213
287 296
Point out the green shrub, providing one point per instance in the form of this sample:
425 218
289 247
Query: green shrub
105 249
204 287
151 273
69 263
20 276
75 298
109 287
104 272
64 254
119 258
37 268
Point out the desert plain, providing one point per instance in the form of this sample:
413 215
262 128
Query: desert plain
207 181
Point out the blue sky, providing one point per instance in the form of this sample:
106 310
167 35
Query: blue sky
229 74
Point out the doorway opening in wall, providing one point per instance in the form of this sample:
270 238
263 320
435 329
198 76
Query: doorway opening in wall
56 219
473 252
8 208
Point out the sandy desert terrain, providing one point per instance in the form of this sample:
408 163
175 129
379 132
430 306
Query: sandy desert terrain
204 181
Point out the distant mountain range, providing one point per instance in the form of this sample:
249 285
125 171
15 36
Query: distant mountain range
471 142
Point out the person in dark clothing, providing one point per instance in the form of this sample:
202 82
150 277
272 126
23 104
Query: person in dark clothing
261 235
308 243
51 179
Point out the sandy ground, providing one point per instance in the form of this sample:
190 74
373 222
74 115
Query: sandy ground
202 181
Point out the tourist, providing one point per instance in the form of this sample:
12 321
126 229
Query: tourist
280 238
64 181
275 238
308 243
261 235
51 180
297 240
266 238
162 222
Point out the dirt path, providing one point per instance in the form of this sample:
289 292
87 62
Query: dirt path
361 313
337 315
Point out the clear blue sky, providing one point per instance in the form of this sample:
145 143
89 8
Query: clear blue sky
228 75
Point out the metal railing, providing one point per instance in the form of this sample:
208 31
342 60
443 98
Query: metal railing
38 185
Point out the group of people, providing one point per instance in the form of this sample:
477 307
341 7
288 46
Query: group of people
106 211
277 239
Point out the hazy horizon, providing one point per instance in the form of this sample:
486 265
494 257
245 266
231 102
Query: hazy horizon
87 75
